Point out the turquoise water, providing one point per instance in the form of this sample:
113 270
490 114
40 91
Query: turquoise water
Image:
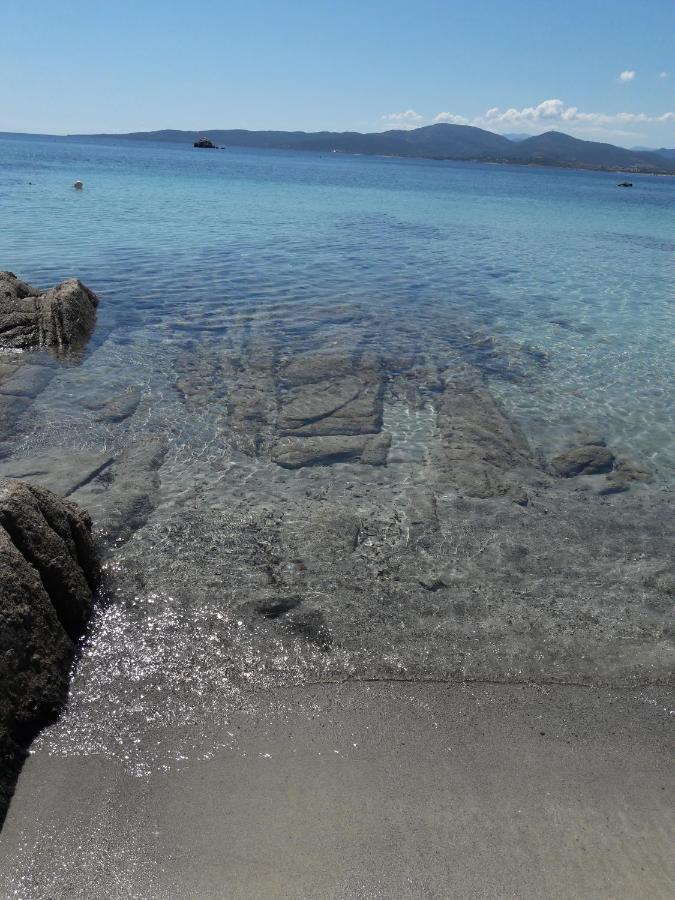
570 277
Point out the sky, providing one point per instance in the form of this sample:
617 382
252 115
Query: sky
597 69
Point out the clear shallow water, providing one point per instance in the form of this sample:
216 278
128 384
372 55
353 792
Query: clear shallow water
182 245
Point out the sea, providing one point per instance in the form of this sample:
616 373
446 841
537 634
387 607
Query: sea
561 267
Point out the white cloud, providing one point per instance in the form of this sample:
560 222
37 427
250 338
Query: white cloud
407 119
555 114
664 74
627 76
549 115
451 119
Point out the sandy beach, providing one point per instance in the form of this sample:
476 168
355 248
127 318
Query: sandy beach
368 790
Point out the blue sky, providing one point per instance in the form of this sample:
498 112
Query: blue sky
506 65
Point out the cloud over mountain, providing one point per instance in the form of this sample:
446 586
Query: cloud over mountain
549 114
407 119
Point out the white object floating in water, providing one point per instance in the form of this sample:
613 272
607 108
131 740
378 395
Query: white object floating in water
78 185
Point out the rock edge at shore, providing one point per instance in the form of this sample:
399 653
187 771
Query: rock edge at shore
49 572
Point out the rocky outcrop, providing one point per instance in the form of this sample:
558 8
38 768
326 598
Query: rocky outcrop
60 318
48 576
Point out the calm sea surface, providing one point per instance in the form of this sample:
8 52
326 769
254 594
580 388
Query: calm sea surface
572 275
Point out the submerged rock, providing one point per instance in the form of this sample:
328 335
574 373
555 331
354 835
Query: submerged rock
347 406
118 408
59 318
295 452
27 381
624 474
123 495
48 575
330 411
57 470
592 459
483 453
11 410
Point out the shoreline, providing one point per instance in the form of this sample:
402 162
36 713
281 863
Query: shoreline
348 791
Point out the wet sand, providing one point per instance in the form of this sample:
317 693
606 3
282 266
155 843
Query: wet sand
360 790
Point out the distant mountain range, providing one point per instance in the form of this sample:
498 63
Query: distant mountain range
442 141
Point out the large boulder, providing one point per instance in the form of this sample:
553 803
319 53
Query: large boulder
59 318
48 575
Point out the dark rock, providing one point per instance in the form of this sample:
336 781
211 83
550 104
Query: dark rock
502 358
578 327
375 450
330 394
615 487
251 414
432 582
48 575
53 535
330 410
592 459
276 607
310 624
60 318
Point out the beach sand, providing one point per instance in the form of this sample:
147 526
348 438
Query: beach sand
367 790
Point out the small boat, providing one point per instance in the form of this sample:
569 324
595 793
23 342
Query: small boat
205 144
625 184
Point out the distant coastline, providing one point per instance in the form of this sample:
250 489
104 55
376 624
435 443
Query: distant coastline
461 143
